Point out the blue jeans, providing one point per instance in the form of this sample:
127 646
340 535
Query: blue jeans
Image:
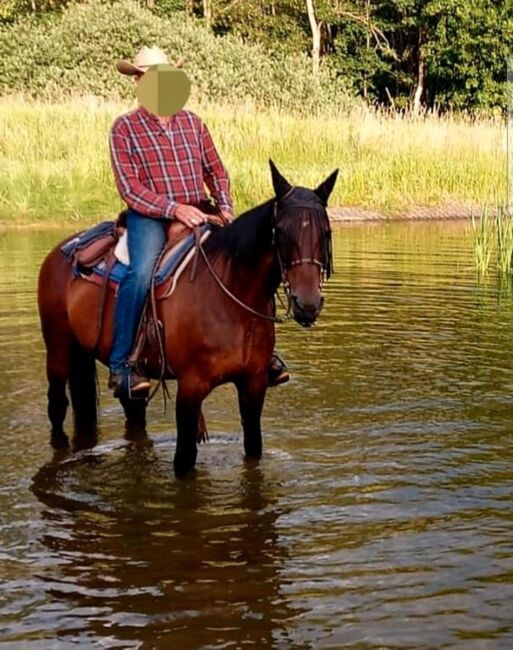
146 237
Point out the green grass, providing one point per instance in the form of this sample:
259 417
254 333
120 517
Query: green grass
493 243
55 167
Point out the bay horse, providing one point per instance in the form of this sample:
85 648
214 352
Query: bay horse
218 328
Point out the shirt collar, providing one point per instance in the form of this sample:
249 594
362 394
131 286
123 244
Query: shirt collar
152 119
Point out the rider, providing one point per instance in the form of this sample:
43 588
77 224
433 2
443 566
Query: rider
160 166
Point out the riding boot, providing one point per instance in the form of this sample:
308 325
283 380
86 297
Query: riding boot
277 372
128 382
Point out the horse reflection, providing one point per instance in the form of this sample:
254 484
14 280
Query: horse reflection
194 563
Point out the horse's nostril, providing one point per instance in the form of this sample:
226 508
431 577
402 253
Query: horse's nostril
307 308
297 303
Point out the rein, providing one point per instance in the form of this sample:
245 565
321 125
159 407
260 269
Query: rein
274 319
283 268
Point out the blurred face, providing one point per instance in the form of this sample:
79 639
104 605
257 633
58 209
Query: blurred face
163 90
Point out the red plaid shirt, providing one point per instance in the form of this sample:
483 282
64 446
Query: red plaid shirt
156 167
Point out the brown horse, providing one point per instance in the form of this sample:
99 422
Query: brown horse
211 337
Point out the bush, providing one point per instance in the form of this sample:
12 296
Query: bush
73 52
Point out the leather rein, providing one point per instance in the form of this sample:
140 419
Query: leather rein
283 268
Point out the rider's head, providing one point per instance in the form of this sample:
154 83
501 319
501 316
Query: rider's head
161 88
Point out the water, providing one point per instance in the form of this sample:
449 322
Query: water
380 516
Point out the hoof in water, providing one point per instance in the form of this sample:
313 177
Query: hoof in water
59 440
183 467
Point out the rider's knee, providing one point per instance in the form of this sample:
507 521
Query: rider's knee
142 273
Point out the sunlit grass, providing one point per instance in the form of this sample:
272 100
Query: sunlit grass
55 166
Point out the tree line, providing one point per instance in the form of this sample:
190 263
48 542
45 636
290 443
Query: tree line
405 54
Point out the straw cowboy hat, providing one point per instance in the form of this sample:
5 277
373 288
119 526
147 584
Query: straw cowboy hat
144 59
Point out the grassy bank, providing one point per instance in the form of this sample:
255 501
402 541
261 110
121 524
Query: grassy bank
54 160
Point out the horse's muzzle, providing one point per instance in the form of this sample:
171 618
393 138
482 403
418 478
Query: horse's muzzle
306 313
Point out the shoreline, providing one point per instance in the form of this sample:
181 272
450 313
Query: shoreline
453 210
343 215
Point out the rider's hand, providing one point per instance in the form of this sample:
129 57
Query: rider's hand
189 215
226 216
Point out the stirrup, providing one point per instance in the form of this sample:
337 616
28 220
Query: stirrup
138 385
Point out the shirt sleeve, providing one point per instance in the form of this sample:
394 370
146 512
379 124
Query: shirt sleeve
134 193
214 172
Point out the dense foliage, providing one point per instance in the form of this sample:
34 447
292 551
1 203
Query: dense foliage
74 53
449 54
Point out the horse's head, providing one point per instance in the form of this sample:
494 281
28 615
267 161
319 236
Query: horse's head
302 242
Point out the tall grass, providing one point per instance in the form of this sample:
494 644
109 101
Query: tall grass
493 242
483 241
55 167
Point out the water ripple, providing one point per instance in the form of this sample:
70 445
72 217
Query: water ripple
379 517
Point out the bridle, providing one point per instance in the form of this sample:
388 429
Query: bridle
324 266
303 260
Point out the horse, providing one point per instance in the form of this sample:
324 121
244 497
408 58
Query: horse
217 329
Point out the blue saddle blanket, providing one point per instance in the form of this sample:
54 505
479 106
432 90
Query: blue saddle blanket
167 266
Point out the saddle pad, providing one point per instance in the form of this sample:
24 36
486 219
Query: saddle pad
86 237
168 265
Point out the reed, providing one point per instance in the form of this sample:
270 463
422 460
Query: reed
493 242
55 167
483 241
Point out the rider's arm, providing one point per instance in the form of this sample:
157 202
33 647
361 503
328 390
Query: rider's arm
214 172
135 194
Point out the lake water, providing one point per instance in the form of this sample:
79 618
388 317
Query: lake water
381 515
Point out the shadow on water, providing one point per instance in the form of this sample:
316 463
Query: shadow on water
139 557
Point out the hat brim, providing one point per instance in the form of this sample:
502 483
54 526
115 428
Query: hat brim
125 67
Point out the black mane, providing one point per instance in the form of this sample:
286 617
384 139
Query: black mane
245 236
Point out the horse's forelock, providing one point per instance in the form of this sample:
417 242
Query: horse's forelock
291 218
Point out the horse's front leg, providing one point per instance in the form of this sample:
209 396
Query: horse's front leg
251 392
189 398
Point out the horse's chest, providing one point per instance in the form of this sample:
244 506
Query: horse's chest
256 339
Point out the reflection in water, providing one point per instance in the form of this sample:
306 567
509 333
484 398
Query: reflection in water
143 557
380 516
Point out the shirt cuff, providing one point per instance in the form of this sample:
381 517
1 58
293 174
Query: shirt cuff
225 205
170 210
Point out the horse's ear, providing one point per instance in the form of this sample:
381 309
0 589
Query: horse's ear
324 190
280 183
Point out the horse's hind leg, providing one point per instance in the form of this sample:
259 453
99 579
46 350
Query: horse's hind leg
57 369
251 393
57 407
82 386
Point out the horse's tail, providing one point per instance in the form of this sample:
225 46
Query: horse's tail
83 390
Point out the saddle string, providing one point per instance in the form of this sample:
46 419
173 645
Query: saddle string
163 360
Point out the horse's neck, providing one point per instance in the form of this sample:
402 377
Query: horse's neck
248 264
254 277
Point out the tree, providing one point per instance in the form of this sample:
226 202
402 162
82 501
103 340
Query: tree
315 26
